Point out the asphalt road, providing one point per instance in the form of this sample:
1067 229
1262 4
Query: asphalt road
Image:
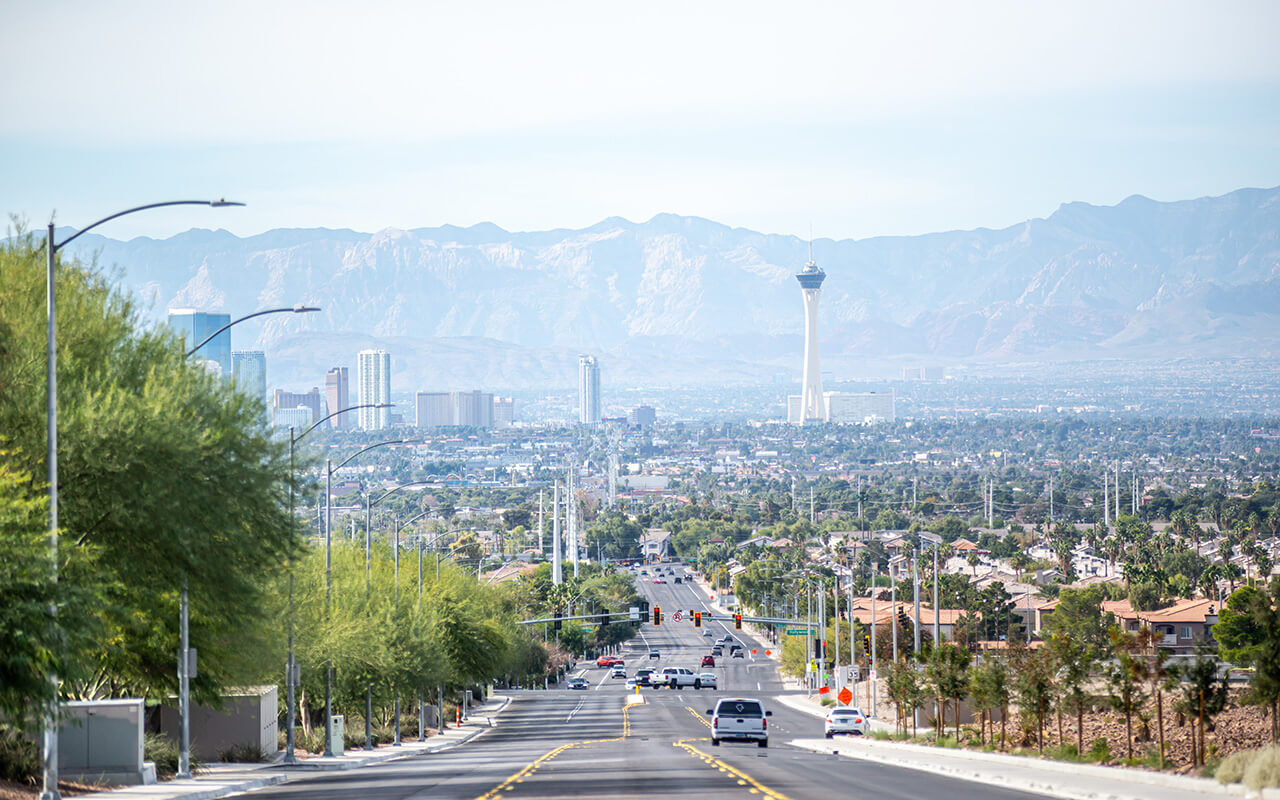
583 744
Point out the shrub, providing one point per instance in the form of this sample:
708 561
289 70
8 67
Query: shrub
164 752
244 753
19 757
1232 768
1100 750
1063 752
311 744
827 701
1264 770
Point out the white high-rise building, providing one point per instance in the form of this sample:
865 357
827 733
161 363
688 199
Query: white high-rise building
589 409
812 408
373 369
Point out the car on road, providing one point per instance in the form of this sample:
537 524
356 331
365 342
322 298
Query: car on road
618 671
632 683
708 661
676 678
653 654
578 683
707 633
736 653
716 651
845 720
741 719
707 679
607 661
658 580
642 676
677 580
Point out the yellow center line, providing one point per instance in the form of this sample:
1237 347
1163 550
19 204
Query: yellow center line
532 766
743 779
698 716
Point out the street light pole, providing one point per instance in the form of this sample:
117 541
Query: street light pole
292 666
49 737
328 573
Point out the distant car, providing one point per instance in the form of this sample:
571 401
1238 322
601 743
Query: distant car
737 654
676 678
632 683
658 580
642 677
579 683
644 572
653 654
618 671
707 633
708 680
606 661
845 720
708 661
741 719
716 651
677 580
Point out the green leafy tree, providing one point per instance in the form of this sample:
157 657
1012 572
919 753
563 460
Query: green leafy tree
168 475
1203 695
948 671
1079 616
1035 687
1074 658
1125 677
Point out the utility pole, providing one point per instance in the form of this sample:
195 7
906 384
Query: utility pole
937 609
557 576
991 503
1106 498
572 500
1117 493
860 525
541 549
915 574
812 518
915 485
1051 499
836 668
893 603
872 664
822 627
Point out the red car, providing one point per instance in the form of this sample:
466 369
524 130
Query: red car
607 661
708 661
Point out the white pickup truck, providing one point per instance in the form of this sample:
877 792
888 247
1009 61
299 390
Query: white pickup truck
676 678
739 719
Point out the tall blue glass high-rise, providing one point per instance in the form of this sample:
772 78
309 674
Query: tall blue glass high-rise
193 326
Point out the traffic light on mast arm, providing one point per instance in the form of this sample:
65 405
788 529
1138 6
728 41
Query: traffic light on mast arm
697 620
737 621
657 615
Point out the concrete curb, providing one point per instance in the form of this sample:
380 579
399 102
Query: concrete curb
805 707
1051 785
174 790
416 749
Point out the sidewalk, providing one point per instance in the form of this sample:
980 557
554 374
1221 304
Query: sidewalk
220 780
1057 778
800 702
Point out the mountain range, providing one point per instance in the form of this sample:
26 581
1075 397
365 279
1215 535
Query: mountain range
682 300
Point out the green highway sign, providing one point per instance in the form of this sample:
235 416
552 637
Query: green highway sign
588 628
797 631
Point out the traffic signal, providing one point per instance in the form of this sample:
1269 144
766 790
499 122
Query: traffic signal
819 648
697 620
557 624
604 619
866 644
657 615
644 607
737 621
691 613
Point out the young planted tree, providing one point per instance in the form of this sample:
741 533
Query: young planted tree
1203 696
989 684
1074 660
948 672
1035 687
1125 679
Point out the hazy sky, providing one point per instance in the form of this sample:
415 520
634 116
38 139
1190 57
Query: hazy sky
859 119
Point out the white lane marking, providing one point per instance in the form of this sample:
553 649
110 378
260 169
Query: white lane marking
608 673
576 709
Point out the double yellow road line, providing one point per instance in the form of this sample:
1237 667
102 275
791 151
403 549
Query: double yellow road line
754 786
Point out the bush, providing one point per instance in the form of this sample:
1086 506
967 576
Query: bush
1264 770
1232 768
827 701
1063 752
245 753
19 757
164 752
1100 750
311 744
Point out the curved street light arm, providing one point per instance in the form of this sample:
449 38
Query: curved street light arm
328 417
411 520
77 234
367 449
298 309
395 489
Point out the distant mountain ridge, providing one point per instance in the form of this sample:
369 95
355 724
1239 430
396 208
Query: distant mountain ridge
687 300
